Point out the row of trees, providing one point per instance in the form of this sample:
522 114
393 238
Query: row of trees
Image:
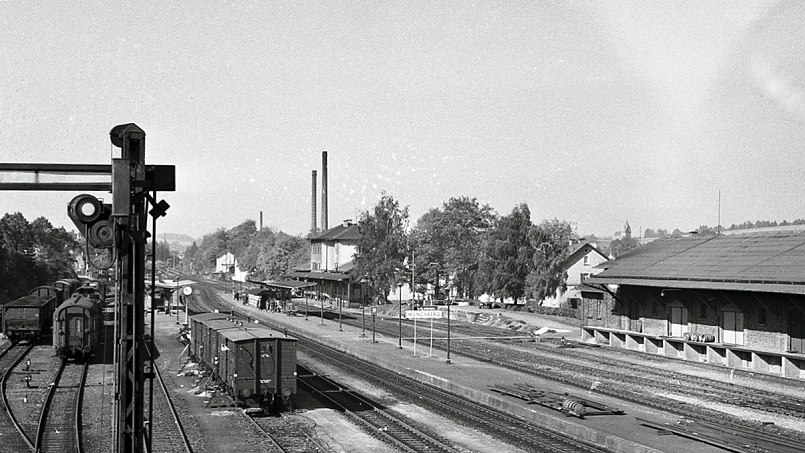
466 244
34 253
265 253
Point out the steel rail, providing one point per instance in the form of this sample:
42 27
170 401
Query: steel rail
176 419
43 414
520 430
55 438
392 430
3 381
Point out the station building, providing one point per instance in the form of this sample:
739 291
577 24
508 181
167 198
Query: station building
736 301
331 263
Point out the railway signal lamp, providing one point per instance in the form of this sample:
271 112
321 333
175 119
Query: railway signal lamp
93 219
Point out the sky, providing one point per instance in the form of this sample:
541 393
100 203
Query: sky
591 112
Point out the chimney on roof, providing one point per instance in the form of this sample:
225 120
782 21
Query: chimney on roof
347 222
324 191
313 203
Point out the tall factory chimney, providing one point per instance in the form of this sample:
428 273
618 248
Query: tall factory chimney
313 203
261 220
324 191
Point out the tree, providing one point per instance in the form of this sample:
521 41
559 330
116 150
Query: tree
505 262
32 254
382 244
447 241
551 241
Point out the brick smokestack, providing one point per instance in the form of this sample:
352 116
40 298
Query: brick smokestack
324 191
313 203
261 220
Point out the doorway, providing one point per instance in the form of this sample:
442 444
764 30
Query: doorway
732 327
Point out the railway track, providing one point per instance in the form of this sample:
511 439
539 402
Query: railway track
60 421
14 437
653 388
626 381
169 433
502 426
388 427
285 436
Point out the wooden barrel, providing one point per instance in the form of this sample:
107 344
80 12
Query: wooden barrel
686 336
573 407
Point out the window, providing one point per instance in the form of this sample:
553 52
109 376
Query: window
586 260
585 276
761 315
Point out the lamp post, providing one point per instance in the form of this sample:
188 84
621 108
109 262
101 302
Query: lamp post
321 301
399 315
339 314
374 313
449 302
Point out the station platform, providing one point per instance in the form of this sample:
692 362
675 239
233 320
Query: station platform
473 379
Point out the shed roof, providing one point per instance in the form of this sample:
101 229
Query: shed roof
772 262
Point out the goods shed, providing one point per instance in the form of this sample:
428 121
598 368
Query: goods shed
736 301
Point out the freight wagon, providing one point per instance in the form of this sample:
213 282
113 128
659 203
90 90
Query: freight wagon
29 317
255 364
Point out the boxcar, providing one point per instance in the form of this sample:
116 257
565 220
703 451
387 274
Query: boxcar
29 317
253 362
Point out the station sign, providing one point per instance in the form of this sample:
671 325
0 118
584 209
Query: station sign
423 314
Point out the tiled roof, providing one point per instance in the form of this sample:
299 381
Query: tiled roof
724 261
339 233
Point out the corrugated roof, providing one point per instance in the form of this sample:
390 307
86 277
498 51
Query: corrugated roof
339 233
760 260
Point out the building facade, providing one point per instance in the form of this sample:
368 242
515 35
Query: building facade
582 263
736 301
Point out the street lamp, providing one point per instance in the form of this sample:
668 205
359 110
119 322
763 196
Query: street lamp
449 302
374 313
321 301
399 315
363 308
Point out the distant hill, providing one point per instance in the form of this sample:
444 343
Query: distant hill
176 241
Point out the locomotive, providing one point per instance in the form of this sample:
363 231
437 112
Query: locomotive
252 362
78 322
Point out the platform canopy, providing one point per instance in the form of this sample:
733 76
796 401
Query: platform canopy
283 284
169 284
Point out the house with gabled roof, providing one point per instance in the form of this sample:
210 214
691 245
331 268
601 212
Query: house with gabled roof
581 263
735 301
331 262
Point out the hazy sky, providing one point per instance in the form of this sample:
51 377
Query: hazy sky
592 112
